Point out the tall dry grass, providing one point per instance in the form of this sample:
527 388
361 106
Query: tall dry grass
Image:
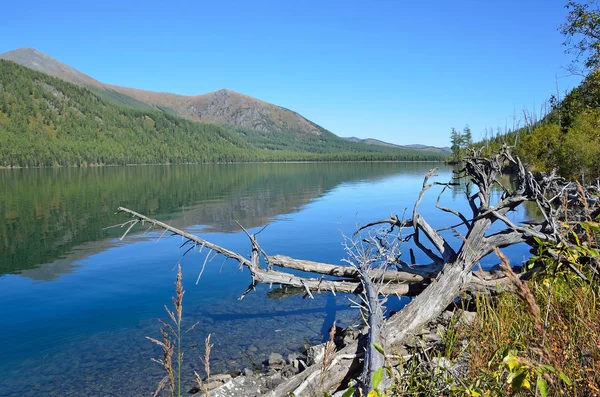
170 343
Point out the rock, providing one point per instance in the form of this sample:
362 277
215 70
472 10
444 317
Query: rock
292 356
247 372
241 386
447 316
213 384
466 318
252 349
315 354
220 378
289 370
441 330
350 336
275 360
273 381
294 360
305 347
432 337
441 363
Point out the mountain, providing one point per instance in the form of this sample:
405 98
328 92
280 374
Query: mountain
432 149
377 142
36 60
227 107
46 121
262 124
219 107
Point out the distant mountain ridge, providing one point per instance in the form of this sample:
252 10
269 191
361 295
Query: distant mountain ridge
37 60
260 123
218 107
377 142
47 122
228 107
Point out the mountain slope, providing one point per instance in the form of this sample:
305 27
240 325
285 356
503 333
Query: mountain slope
228 107
219 107
260 123
37 60
45 121
424 148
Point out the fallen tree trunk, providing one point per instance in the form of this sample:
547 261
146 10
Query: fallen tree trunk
379 271
457 270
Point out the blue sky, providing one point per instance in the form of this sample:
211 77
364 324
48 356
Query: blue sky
401 71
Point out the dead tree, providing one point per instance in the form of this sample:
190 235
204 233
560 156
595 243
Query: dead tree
434 285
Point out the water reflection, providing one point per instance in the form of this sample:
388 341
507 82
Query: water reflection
84 332
46 213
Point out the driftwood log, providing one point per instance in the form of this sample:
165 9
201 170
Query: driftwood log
375 268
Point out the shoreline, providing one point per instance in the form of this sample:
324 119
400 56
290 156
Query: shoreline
226 162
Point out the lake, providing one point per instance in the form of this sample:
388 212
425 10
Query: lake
76 303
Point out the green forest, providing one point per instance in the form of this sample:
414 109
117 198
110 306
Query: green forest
48 212
47 122
567 138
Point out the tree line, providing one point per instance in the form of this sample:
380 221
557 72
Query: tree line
567 138
47 122
460 142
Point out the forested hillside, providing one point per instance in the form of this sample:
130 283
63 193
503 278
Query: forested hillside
326 142
264 125
567 139
45 121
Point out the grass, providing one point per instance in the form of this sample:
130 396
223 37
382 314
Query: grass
542 339
170 344
203 384
550 329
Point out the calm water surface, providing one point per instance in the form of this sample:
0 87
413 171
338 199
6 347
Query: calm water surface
76 303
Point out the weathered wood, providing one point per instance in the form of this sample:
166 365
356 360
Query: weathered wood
393 286
374 359
413 275
457 273
402 283
434 286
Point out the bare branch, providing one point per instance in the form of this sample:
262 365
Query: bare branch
394 221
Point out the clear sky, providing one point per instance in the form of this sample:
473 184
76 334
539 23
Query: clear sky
401 71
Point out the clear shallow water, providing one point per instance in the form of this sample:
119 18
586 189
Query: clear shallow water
76 303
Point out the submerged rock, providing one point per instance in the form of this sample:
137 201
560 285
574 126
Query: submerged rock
275 360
